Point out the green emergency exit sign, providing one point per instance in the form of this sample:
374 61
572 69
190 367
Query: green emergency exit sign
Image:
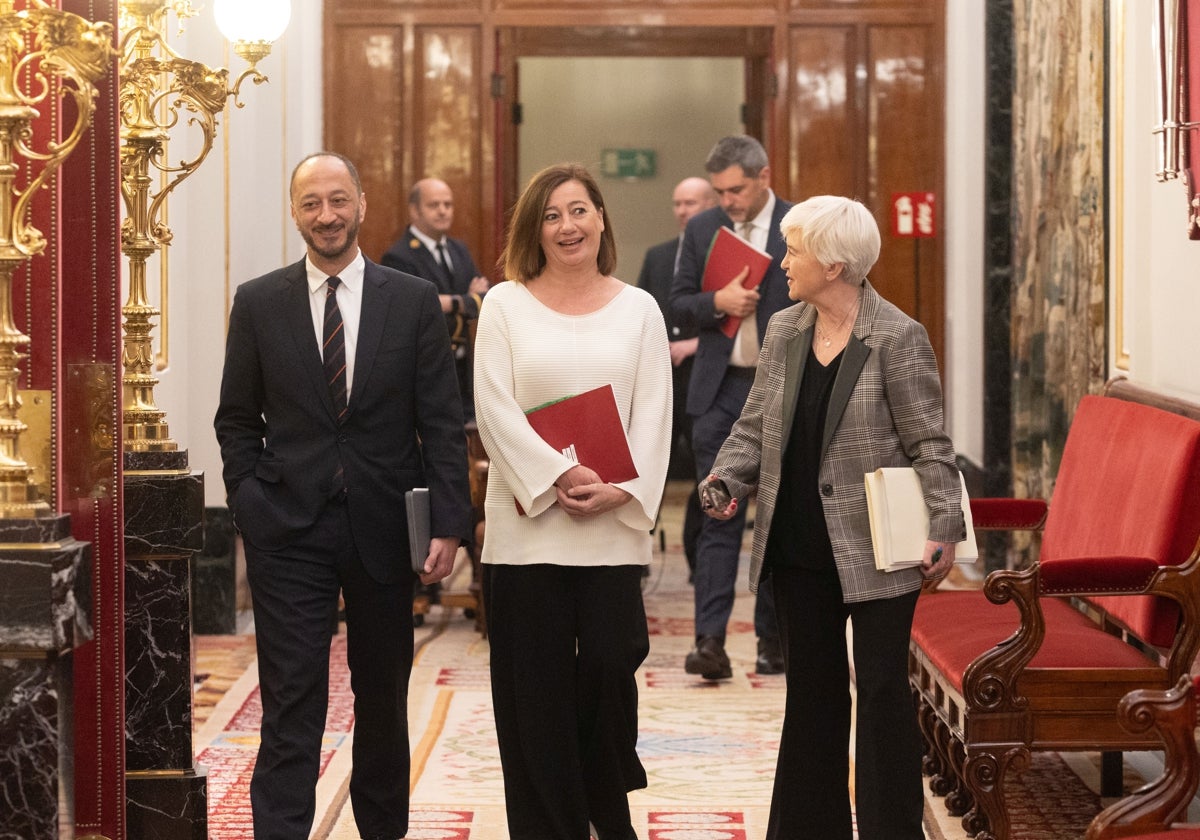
628 163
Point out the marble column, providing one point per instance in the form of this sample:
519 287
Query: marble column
215 575
998 273
166 791
45 598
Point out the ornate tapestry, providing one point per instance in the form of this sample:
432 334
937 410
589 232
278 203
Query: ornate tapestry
1058 291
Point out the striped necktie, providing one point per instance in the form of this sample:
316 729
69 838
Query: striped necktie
333 349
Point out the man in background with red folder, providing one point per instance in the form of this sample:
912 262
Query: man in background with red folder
722 373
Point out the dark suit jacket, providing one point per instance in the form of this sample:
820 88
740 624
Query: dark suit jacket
658 273
281 444
409 254
692 307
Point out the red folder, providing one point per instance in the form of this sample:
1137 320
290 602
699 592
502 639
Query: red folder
587 429
727 256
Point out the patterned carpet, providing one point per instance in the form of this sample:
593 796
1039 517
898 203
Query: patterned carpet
709 749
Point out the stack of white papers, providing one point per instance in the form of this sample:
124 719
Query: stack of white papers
900 520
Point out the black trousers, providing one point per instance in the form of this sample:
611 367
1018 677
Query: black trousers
811 798
295 615
565 645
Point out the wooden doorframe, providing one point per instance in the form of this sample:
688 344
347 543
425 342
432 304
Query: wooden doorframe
753 44
852 93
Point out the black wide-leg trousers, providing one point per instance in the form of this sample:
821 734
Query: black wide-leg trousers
811 799
566 642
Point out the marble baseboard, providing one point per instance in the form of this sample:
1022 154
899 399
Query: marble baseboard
167 806
158 664
45 596
164 528
45 600
36 767
164 514
172 461
36 530
214 576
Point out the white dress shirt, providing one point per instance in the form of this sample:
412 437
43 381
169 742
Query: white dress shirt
432 245
349 298
746 343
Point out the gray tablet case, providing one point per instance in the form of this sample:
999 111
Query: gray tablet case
416 503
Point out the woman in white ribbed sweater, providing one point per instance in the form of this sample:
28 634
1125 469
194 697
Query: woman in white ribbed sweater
562 580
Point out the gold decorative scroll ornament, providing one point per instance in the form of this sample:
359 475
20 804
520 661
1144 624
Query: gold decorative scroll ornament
51 54
159 88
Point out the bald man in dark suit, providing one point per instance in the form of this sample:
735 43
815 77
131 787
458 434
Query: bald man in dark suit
427 250
338 395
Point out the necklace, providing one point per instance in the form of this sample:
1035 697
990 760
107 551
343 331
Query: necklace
826 338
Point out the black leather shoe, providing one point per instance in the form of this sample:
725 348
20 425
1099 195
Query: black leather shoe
770 656
708 659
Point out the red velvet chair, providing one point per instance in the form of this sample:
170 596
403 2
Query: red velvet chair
1041 657
1153 811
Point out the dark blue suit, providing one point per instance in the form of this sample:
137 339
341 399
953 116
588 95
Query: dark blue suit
306 539
691 307
409 254
716 395
656 277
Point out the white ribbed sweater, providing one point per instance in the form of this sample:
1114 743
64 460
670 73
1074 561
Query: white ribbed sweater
527 354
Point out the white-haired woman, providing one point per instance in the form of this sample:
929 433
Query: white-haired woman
846 383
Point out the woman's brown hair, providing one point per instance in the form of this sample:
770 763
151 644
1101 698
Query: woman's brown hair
523 258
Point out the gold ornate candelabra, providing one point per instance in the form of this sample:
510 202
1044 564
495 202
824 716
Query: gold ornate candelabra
56 54
159 87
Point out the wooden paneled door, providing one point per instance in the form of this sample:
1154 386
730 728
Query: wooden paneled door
403 100
847 95
864 110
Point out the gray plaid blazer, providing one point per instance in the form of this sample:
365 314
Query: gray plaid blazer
885 410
